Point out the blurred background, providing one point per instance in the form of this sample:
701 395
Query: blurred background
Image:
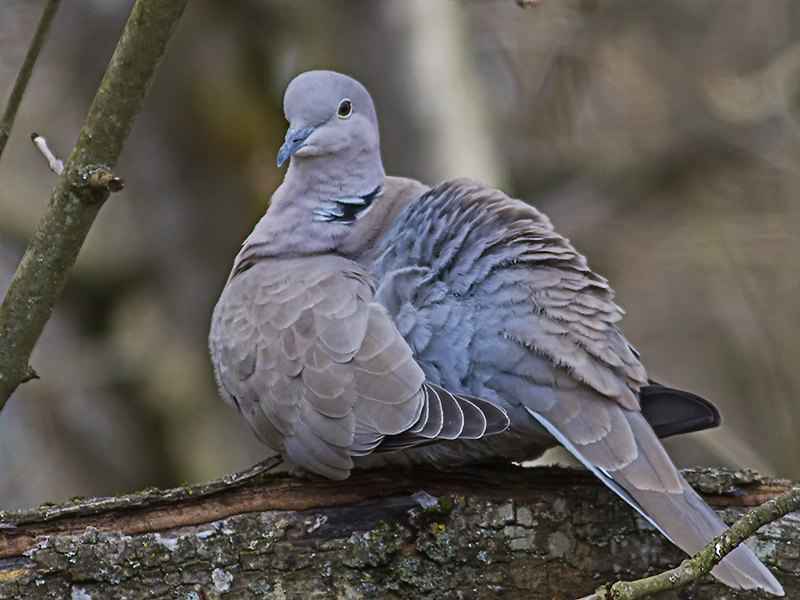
662 138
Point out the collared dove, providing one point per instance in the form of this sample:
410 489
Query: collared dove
317 368
474 293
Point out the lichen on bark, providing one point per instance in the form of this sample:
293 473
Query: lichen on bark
560 537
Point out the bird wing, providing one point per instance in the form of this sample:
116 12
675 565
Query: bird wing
492 274
495 303
321 373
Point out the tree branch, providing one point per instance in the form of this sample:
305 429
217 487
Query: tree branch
509 532
83 187
24 75
701 563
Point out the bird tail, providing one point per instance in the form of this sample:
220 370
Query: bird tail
652 485
690 523
670 411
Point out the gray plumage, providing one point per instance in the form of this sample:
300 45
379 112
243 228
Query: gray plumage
316 367
475 293
320 372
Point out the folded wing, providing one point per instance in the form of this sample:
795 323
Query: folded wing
495 303
320 372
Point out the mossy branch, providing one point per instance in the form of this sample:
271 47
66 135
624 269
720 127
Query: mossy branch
25 71
83 186
504 532
701 563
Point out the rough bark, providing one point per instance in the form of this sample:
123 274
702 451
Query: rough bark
500 533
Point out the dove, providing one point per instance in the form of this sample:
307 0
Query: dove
363 303
317 368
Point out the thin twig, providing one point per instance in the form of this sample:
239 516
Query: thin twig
83 186
701 563
257 469
56 166
24 75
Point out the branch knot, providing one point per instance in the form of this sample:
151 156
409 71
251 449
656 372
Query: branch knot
100 179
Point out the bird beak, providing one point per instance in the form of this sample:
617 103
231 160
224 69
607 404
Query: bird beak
295 138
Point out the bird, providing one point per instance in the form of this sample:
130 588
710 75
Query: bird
317 368
361 304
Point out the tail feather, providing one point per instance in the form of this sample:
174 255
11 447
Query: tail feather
670 411
680 514
690 523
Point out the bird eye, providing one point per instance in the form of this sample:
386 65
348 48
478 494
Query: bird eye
345 109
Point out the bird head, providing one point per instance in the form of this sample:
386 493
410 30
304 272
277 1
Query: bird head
329 114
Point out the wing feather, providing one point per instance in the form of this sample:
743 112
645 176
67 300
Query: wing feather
543 340
321 373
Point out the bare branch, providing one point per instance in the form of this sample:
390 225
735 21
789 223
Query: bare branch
24 75
82 187
701 563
